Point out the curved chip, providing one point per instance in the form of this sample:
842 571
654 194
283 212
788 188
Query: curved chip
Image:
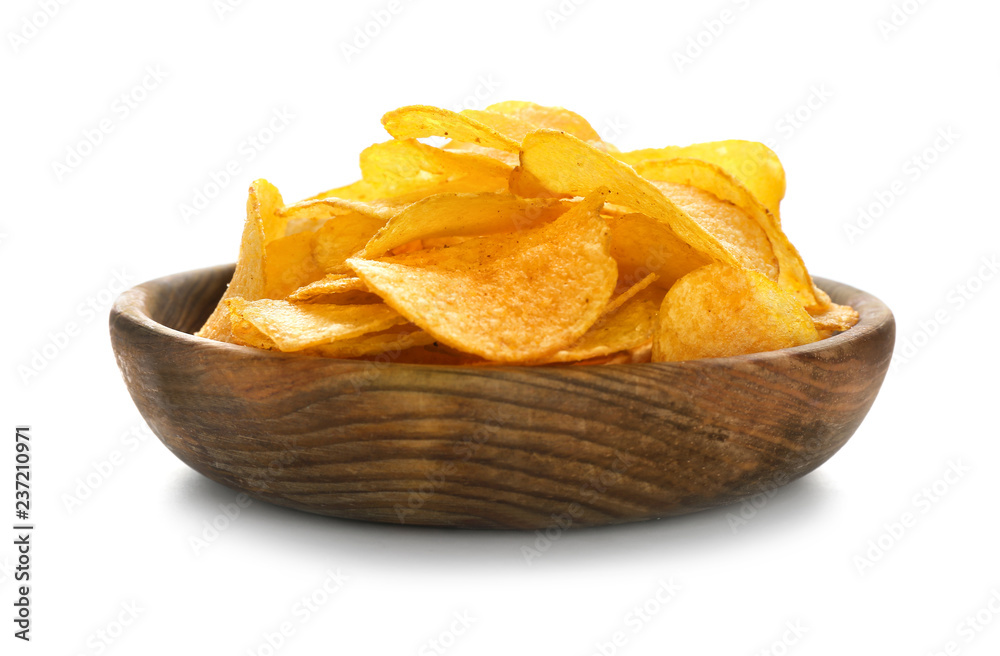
830 317
416 121
361 191
289 264
394 340
625 328
642 245
249 279
553 118
507 298
298 326
755 165
341 237
733 227
331 283
792 273
565 164
402 166
720 311
630 290
310 215
448 215
511 127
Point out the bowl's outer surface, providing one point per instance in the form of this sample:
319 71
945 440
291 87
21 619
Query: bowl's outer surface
490 447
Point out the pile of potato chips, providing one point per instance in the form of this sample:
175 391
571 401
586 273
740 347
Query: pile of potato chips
526 239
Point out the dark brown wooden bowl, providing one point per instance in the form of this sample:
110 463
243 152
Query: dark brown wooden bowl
495 446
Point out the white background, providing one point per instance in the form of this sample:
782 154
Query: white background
878 98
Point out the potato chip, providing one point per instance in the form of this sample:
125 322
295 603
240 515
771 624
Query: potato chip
830 317
524 184
512 127
270 203
507 158
510 297
298 326
319 211
619 298
245 333
418 121
361 190
554 118
792 273
340 238
394 340
403 171
564 164
289 264
332 283
720 311
642 245
404 166
249 278
753 164
447 215
628 326
335 289
733 227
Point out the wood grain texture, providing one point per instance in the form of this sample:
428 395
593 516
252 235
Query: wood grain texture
490 447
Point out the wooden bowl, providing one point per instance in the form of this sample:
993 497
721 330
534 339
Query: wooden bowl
495 446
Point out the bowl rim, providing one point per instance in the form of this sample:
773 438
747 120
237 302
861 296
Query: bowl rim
874 317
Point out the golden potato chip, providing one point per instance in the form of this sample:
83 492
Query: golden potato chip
642 245
792 273
619 298
245 333
720 311
830 317
288 265
398 172
332 283
524 184
418 121
628 326
335 289
298 326
249 278
505 156
395 341
509 126
362 191
446 215
564 164
311 214
270 203
509 297
404 166
753 164
736 229
341 237
554 118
